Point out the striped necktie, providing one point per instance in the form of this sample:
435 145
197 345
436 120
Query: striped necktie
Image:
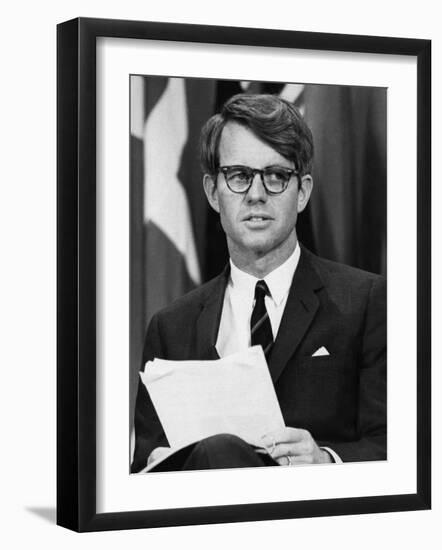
260 327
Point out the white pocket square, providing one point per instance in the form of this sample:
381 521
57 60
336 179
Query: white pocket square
320 351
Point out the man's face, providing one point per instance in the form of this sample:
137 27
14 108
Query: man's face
257 225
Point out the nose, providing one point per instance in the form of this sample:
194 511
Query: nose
257 192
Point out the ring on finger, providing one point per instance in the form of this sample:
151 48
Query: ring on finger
273 447
289 461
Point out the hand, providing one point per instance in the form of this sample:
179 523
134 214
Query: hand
291 446
158 452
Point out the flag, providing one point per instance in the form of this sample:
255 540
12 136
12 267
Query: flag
348 218
168 205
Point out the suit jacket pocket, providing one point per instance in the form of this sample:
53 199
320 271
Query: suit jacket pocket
320 394
332 361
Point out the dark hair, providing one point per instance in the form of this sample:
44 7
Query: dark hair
272 119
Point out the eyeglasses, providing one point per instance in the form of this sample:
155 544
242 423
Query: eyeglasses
275 179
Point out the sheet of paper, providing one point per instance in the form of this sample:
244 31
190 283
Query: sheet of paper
197 399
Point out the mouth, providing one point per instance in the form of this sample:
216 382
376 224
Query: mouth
257 221
257 218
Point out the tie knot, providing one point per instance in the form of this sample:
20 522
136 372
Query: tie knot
261 289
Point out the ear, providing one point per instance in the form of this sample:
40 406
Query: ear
304 192
211 190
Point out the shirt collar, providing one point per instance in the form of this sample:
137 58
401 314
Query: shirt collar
278 280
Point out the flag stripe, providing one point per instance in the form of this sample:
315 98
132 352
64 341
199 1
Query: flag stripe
137 106
165 200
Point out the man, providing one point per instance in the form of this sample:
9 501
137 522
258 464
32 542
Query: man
321 324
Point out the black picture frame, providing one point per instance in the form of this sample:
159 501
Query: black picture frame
76 273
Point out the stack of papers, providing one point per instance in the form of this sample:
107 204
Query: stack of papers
197 399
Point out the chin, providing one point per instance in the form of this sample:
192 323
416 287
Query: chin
258 247
265 246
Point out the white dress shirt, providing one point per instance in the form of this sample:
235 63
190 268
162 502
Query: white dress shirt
239 300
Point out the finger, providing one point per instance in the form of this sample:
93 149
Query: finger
286 435
294 460
293 449
283 461
302 459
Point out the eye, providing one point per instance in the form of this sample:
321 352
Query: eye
276 175
239 174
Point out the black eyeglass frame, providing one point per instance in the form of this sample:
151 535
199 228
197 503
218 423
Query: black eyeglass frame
252 173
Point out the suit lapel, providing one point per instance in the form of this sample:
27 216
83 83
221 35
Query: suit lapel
300 310
207 324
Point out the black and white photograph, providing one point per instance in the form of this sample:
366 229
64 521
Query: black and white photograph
258 265
243 268
220 262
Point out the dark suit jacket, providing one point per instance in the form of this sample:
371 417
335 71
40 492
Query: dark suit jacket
340 398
